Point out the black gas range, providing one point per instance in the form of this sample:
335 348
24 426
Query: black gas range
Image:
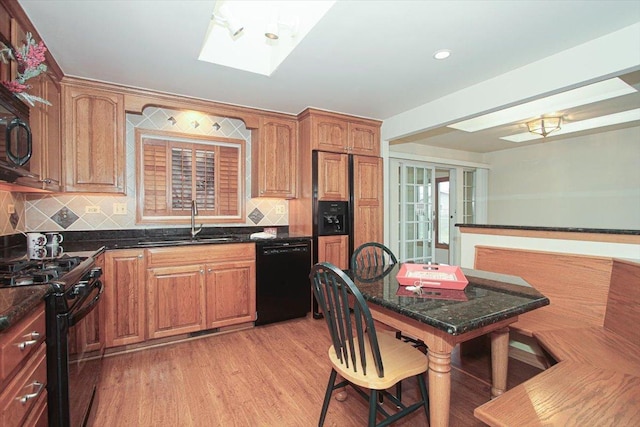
73 361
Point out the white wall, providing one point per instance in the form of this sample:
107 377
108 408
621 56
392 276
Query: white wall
590 181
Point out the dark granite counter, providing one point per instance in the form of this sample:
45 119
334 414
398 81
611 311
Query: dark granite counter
488 298
18 302
556 229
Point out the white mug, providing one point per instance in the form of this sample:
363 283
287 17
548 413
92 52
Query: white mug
36 240
54 238
44 252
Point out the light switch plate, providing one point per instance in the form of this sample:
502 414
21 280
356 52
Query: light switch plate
280 210
11 208
92 209
119 208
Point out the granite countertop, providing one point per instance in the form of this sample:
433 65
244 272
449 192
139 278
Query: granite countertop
558 229
16 303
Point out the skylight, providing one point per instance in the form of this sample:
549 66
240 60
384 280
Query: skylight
236 35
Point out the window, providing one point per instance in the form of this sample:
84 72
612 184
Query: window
175 169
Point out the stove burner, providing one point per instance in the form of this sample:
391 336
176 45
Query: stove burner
35 272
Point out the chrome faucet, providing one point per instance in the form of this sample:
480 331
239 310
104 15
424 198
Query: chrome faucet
194 213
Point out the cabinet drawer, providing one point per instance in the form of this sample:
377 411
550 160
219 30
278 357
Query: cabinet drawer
23 392
162 257
17 344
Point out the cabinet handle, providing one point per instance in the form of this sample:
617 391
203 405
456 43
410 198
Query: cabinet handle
201 271
34 339
27 397
140 256
210 270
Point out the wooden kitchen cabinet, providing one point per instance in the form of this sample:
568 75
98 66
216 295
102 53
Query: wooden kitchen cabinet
274 157
333 176
23 371
45 121
94 139
367 200
176 300
124 297
340 133
334 249
200 287
231 293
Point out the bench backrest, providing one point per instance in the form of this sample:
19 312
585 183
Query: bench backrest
623 305
577 285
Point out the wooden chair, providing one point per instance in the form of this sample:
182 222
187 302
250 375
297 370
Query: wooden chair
364 359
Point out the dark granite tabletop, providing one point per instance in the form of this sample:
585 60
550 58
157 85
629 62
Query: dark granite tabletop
487 299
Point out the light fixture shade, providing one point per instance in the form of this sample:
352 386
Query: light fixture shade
544 125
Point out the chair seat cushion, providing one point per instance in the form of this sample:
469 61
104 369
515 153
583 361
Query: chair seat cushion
400 360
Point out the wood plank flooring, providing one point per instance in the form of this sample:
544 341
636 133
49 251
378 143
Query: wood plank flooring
272 376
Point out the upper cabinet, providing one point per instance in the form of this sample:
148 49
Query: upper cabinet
46 161
274 157
341 134
94 140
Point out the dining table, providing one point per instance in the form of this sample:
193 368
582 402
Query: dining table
443 318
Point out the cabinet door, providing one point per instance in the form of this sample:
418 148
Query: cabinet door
334 249
329 134
124 297
333 176
274 159
364 139
45 120
176 300
94 140
367 204
231 293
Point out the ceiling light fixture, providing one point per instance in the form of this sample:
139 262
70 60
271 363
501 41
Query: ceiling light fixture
544 125
583 125
584 95
442 54
225 17
272 32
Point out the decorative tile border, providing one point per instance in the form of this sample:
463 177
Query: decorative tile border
42 211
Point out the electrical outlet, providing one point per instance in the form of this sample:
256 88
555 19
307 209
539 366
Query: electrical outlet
11 209
280 210
119 208
92 209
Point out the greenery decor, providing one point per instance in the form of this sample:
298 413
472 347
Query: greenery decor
30 60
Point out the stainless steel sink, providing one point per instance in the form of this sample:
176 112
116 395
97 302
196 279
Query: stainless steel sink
199 241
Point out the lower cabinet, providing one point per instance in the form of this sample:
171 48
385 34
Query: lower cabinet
176 300
23 372
231 293
166 291
125 297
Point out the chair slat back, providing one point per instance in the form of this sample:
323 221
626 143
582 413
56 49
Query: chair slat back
352 334
371 261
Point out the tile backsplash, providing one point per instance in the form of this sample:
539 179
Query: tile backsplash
11 222
45 212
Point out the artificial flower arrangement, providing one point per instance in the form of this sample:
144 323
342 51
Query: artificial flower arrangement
30 59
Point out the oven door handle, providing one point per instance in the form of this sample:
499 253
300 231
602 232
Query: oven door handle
77 315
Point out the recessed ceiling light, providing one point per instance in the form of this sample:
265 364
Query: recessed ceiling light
605 89
442 54
596 122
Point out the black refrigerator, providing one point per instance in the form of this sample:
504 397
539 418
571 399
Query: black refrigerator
347 205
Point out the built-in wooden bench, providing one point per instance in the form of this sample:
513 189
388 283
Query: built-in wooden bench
576 285
597 379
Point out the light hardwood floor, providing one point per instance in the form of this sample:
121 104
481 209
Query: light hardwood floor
273 375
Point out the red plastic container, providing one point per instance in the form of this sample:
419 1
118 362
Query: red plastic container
432 276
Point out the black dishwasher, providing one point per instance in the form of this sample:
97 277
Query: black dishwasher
283 290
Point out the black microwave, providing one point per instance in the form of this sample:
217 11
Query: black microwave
15 137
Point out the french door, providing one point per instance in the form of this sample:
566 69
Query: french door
411 198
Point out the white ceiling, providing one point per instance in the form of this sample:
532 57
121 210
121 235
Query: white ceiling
367 58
